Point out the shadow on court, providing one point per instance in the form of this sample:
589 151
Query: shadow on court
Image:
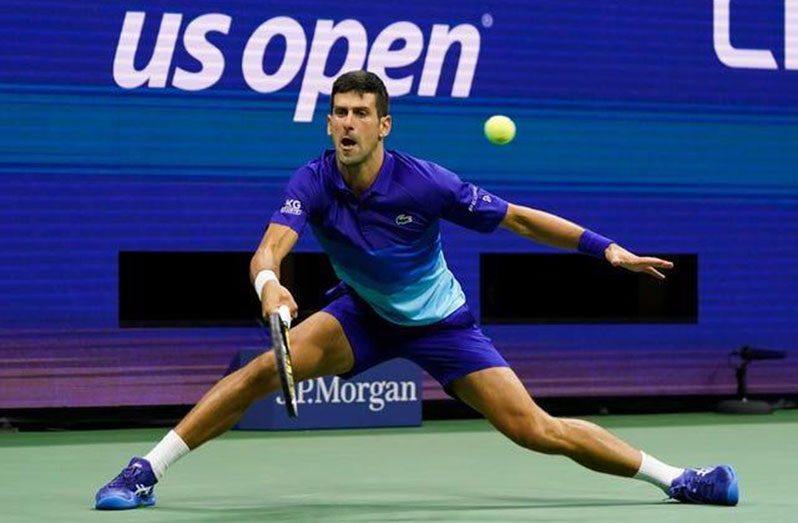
405 510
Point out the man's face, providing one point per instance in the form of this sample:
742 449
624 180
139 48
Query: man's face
355 128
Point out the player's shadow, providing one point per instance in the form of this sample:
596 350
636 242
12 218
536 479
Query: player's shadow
206 509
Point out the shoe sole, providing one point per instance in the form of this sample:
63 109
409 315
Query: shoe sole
117 503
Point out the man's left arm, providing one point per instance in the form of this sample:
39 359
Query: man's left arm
554 231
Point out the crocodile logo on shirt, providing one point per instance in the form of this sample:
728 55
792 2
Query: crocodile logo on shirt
403 219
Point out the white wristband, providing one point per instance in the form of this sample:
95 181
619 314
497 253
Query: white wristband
264 276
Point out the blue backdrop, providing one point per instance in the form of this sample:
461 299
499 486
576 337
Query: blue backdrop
173 125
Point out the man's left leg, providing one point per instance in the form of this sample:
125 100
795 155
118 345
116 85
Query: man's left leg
499 395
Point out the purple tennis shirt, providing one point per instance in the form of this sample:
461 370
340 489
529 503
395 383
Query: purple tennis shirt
386 244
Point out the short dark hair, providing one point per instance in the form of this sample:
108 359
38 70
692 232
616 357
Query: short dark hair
362 82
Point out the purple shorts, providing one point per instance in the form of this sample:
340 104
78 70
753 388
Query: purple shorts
447 350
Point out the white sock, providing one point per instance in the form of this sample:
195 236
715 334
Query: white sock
170 449
657 473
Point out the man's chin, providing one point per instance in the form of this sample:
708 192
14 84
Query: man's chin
348 157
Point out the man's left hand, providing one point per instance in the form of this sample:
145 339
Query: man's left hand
620 257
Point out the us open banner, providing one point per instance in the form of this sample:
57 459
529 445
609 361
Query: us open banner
173 125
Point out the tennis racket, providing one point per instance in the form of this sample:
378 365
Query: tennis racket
279 324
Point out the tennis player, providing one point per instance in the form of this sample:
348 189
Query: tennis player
376 213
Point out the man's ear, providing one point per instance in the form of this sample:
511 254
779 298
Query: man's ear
385 126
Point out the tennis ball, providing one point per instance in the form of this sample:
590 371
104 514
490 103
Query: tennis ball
499 129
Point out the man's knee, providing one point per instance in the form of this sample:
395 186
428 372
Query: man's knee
317 349
313 359
259 376
543 434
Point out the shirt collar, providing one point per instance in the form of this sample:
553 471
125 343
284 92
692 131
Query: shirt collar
381 183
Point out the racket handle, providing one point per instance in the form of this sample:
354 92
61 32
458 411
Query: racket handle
285 314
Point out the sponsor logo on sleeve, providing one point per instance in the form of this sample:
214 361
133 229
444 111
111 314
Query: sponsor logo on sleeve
474 197
292 207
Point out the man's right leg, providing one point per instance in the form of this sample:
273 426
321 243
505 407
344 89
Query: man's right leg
318 348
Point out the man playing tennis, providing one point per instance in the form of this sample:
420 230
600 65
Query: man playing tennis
376 213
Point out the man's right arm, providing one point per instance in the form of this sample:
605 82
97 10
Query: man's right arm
277 242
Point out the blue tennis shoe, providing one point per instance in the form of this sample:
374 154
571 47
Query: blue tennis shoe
134 487
713 486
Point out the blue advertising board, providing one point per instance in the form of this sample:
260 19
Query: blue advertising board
669 125
388 395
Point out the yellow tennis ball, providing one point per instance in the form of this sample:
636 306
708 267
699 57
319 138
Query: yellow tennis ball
499 129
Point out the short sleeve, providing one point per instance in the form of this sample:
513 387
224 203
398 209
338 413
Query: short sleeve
469 205
301 200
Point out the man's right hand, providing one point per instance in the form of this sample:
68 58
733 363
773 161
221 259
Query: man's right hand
275 295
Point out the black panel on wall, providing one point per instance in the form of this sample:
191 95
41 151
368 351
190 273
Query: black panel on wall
573 288
204 289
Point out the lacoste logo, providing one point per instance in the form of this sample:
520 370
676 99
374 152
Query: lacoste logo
403 219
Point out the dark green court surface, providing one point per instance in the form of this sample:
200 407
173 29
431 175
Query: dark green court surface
444 471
